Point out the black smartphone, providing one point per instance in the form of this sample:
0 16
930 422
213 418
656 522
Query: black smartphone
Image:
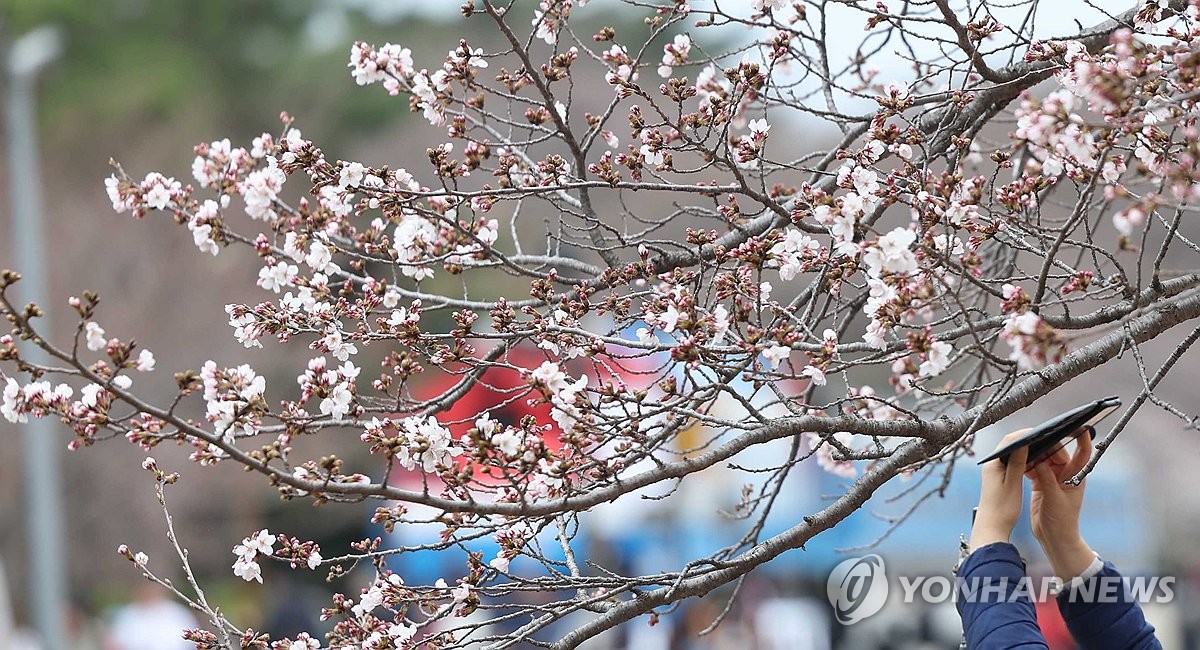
1048 437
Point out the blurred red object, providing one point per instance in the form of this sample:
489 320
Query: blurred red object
502 392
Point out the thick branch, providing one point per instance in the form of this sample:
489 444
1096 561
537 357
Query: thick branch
945 432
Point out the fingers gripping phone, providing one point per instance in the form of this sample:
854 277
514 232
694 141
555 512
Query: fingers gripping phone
1054 434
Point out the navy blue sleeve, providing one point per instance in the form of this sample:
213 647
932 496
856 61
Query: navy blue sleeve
994 602
1102 614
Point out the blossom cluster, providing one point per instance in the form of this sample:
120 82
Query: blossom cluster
246 566
415 442
233 398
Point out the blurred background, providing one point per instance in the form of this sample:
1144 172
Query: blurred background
143 82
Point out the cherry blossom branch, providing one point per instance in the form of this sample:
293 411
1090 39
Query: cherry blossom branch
1022 395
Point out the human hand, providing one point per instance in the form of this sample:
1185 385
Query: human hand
999 497
1054 508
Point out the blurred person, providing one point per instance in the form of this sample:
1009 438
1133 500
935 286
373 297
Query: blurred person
792 623
1189 598
85 630
288 617
151 622
6 617
1005 618
11 636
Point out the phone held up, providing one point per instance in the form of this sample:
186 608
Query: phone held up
1054 434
